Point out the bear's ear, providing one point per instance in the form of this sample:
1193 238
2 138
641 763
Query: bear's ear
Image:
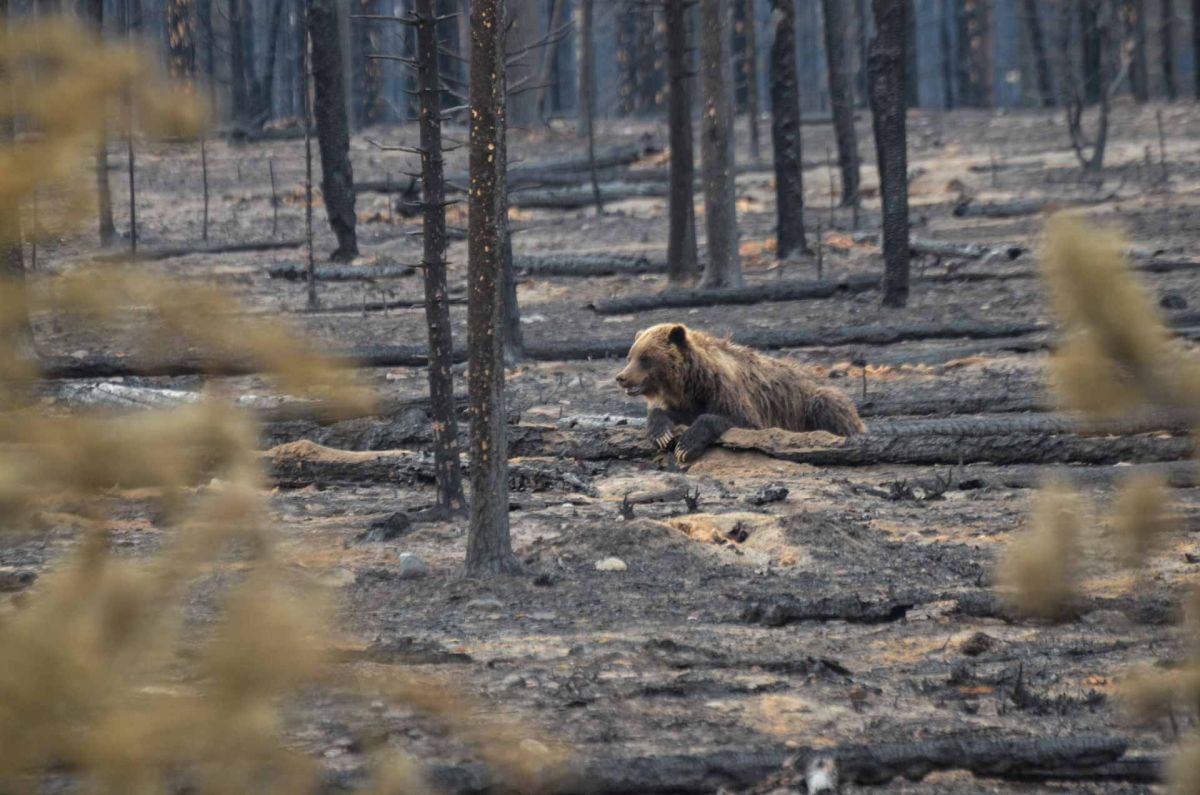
677 336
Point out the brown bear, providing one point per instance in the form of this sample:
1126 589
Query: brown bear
710 385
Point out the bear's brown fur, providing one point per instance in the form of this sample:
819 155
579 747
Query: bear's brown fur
691 378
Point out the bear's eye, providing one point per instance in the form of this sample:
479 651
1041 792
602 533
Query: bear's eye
644 361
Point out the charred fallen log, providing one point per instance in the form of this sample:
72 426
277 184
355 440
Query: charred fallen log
970 207
586 264
771 291
576 197
187 250
342 273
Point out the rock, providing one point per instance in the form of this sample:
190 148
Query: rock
775 492
978 644
389 528
484 604
821 775
611 564
1172 301
411 567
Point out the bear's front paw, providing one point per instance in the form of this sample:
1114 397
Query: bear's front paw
691 445
661 431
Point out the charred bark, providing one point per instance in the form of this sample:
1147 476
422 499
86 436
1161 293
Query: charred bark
587 94
841 98
1037 41
1134 13
437 309
759 293
108 231
1166 32
785 135
724 267
887 76
181 42
1092 49
750 72
683 261
333 127
489 548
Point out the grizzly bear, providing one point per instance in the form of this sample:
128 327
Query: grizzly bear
710 385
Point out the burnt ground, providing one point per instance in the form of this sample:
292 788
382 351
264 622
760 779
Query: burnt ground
660 658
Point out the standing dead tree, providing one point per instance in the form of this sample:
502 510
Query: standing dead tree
785 133
1166 33
887 81
1106 50
108 230
1037 41
1133 13
333 126
682 260
437 306
750 71
489 546
841 97
587 92
724 267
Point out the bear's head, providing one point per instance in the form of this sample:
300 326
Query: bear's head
655 369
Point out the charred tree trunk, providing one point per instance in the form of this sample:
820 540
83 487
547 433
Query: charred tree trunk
1166 32
862 17
649 75
333 128
945 37
1092 49
437 307
181 41
724 268
368 108
587 93
524 33
785 134
841 100
546 75
682 260
208 45
1196 47
1037 41
1134 13
887 66
108 230
489 547
750 72
238 66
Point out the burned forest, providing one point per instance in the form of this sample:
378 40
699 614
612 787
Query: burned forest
565 396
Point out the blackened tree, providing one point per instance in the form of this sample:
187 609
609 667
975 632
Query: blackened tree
887 75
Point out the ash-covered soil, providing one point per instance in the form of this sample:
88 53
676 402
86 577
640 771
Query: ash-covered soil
663 657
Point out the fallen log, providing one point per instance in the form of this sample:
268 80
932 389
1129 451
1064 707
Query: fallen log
525 173
1019 758
378 306
976 603
969 207
341 273
1176 474
187 250
573 198
303 463
770 291
920 246
586 264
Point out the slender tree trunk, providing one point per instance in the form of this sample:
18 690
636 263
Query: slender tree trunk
333 128
840 99
1134 12
1196 48
238 66
546 75
724 267
587 92
1166 32
912 83
863 17
750 68
1093 58
437 307
489 548
524 33
946 38
1037 41
16 342
887 66
649 75
785 133
683 263
181 40
306 101
108 230
264 99
209 46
